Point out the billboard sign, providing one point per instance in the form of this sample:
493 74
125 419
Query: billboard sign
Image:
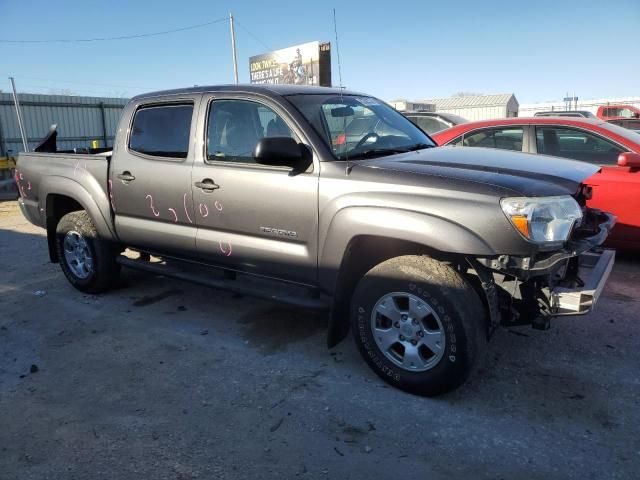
305 64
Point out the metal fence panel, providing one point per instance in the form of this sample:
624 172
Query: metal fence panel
80 120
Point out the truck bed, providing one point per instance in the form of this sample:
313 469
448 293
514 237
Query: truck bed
85 177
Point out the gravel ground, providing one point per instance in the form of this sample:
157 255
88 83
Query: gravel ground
165 380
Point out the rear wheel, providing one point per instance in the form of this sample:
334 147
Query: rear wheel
418 324
88 262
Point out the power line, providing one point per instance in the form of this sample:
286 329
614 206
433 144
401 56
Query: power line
64 81
255 37
123 37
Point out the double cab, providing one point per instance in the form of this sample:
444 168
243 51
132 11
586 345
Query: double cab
421 252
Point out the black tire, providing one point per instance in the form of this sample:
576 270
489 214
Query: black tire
454 305
104 270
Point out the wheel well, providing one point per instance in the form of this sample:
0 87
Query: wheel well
361 255
57 207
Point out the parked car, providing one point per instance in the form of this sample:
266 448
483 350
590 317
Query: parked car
421 251
432 122
616 187
617 112
565 113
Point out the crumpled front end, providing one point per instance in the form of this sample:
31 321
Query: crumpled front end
567 281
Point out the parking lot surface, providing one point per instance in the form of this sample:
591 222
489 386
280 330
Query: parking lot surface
166 380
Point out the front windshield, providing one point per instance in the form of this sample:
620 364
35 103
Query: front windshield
356 126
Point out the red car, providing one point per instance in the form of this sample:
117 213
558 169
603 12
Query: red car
617 112
616 188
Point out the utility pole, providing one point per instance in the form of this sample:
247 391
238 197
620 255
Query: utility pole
233 48
25 141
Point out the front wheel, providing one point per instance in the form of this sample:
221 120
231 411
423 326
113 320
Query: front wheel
88 262
418 324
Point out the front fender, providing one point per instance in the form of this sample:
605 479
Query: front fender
433 232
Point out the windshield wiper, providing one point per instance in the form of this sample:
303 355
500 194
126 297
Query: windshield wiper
380 152
373 152
418 146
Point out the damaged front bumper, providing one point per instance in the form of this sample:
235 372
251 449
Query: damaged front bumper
532 290
591 276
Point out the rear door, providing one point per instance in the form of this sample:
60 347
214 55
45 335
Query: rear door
615 189
150 176
253 218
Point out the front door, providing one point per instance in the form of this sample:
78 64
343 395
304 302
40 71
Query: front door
150 178
253 218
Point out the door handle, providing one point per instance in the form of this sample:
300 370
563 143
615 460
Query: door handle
126 177
207 185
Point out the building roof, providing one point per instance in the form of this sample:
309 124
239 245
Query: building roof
472 101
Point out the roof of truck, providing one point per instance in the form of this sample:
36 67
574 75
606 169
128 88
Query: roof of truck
265 89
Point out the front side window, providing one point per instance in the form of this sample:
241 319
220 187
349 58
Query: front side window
358 126
577 145
509 138
162 131
236 126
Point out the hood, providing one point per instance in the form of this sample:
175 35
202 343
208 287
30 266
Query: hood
521 173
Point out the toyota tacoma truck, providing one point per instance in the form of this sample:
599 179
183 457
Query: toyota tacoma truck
421 252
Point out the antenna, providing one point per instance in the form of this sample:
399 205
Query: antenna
344 120
335 29
233 48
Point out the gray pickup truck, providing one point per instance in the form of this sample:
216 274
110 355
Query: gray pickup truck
421 252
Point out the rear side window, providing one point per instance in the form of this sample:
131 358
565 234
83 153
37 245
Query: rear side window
577 145
162 131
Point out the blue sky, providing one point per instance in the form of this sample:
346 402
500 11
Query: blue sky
538 50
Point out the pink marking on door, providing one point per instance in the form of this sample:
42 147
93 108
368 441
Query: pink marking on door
218 205
184 202
28 185
175 215
204 210
153 209
113 206
225 248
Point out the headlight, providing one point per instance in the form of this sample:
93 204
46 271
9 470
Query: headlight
544 219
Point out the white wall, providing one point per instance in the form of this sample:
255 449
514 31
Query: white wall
477 113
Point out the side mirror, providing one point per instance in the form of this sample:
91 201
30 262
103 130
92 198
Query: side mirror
278 151
629 159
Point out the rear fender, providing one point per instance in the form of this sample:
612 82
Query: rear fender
54 190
